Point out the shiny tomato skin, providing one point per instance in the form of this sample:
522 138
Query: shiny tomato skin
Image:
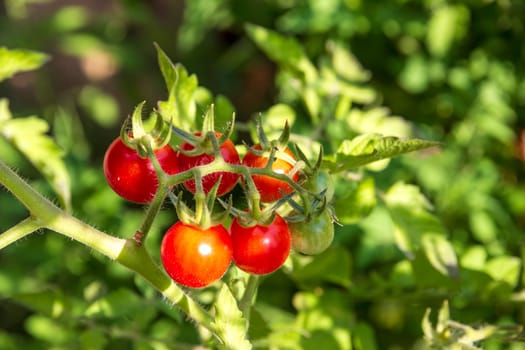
260 249
313 237
132 177
228 180
269 187
195 257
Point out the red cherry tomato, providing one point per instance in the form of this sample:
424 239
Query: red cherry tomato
195 257
269 187
260 249
228 180
132 177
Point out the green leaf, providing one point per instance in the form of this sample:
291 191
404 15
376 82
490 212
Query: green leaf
47 329
333 265
29 136
357 204
49 303
368 148
121 302
286 51
229 321
446 24
441 254
346 64
415 227
101 107
364 337
14 61
168 69
93 339
180 108
505 269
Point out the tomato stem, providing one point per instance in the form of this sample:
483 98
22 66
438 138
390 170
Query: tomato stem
20 230
151 214
248 298
126 252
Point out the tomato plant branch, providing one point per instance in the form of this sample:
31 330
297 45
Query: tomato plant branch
151 214
20 230
219 165
138 259
126 252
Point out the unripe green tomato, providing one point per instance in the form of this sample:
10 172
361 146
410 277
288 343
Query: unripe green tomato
312 237
321 181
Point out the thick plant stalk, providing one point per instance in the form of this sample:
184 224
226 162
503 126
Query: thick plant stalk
44 214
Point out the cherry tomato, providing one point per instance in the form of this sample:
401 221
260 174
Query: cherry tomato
195 257
260 249
314 236
269 187
132 177
228 180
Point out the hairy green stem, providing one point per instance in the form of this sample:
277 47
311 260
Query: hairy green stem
50 216
151 214
218 165
126 252
20 230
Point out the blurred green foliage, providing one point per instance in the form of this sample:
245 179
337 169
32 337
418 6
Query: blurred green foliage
446 71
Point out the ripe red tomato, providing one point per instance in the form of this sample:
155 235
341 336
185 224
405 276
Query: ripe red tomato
133 177
228 180
260 249
313 237
195 257
269 187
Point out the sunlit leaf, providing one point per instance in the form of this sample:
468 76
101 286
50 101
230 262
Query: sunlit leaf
346 64
333 265
415 227
100 106
15 61
441 254
29 136
368 148
180 108
415 75
47 329
284 50
121 302
229 321
446 24
357 204
504 268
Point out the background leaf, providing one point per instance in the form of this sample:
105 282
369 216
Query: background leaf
29 136
15 61
229 320
415 228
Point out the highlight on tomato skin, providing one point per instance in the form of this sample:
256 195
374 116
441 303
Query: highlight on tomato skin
227 180
195 257
260 249
132 177
271 189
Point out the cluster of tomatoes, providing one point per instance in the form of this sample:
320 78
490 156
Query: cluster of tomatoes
196 255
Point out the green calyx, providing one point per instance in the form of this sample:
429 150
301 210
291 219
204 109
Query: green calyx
142 138
203 216
207 140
